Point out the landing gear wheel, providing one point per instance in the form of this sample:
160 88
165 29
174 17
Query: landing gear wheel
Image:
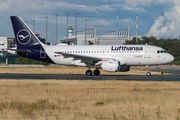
96 72
88 72
148 74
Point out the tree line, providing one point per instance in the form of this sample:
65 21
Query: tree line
23 60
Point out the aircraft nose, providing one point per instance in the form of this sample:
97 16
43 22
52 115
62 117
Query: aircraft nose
170 58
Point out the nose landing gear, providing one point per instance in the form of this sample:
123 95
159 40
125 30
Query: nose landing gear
148 73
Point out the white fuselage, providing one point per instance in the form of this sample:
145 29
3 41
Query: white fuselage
111 58
131 55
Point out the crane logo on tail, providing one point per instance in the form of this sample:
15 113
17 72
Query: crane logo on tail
23 37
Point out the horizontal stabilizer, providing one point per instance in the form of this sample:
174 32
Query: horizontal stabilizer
21 51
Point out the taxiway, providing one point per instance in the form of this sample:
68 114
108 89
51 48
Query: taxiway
174 77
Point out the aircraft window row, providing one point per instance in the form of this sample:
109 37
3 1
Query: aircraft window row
125 51
161 51
102 51
83 51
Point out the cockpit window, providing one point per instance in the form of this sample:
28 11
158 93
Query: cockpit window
161 51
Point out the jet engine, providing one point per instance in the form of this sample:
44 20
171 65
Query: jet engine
124 68
114 66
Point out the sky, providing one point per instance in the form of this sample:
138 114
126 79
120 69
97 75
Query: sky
160 18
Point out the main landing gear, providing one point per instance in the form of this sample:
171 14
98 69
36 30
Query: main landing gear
96 72
148 73
89 72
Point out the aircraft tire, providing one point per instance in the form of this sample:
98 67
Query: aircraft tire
88 72
96 72
148 73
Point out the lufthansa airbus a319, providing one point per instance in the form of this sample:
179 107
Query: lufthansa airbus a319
110 58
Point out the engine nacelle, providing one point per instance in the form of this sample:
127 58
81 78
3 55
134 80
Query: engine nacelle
110 66
114 66
124 68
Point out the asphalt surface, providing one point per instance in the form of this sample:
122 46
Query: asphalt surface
174 77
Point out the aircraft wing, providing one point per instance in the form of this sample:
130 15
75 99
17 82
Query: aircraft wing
84 58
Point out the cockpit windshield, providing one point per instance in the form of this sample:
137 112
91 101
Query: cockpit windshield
161 51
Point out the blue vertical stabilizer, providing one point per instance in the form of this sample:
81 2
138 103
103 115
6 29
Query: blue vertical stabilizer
23 35
28 45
